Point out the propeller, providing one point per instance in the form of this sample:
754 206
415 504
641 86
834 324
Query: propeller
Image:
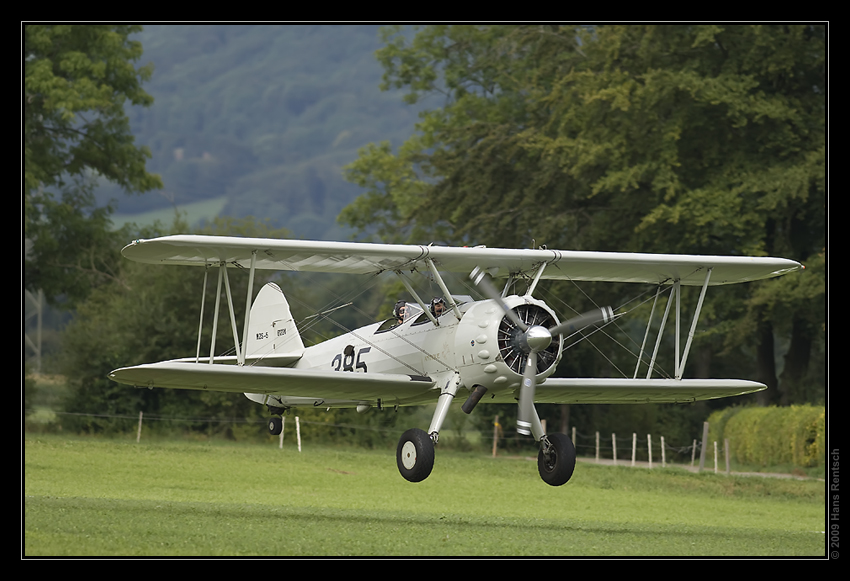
479 277
533 339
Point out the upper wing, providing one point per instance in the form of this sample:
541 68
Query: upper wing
363 258
593 390
275 380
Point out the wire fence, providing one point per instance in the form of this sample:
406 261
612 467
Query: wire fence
620 449
632 448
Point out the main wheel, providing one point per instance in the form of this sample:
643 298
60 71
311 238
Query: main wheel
415 455
557 466
275 426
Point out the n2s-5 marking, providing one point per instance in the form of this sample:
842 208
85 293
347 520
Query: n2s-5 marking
265 334
346 359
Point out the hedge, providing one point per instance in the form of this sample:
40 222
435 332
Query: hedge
767 436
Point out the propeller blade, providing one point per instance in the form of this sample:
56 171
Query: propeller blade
482 281
533 339
603 315
526 395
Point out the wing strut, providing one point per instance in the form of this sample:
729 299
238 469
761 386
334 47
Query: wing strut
646 334
425 307
201 322
676 291
681 368
215 313
442 285
536 279
248 305
222 275
232 312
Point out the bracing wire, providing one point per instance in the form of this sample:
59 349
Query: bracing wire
620 313
350 298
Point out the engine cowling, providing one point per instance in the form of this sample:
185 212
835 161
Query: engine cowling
487 344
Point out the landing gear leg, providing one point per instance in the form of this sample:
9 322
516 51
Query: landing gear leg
446 397
415 450
557 457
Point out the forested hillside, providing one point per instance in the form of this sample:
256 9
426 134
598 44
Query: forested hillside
261 119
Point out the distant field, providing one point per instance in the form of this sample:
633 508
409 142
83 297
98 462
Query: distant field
195 213
91 497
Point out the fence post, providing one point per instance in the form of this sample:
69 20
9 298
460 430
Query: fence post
649 446
597 446
693 453
282 423
726 453
139 431
703 446
298 432
634 447
614 446
715 456
495 434
663 454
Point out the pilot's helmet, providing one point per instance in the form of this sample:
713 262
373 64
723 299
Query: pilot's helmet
438 301
400 309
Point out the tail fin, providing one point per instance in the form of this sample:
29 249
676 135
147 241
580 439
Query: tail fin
271 330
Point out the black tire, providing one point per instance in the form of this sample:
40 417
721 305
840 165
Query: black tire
558 468
275 426
415 455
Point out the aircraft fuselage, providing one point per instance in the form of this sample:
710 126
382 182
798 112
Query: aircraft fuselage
473 349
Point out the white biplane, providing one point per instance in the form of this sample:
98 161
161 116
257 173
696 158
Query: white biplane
499 350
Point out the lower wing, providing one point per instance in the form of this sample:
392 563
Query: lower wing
276 381
596 390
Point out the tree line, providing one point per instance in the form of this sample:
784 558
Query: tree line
695 139
699 139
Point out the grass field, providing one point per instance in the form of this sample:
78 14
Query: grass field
195 212
91 497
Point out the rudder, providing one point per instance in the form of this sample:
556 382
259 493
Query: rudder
272 330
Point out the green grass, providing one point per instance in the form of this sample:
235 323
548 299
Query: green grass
91 497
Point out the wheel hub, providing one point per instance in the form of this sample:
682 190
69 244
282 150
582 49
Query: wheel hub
408 455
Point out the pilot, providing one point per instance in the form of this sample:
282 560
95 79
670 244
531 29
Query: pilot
438 306
399 311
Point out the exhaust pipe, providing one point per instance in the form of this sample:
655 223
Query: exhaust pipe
473 399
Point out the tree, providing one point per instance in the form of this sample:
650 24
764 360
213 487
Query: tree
702 139
151 315
77 81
